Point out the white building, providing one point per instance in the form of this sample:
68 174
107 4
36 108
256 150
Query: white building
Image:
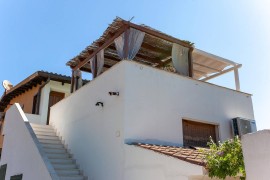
138 119
36 94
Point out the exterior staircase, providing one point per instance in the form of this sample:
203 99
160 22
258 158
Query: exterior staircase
59 157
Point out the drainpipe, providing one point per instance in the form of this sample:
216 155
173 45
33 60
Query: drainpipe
39 94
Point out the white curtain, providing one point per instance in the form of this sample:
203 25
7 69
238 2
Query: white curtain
180 59
92 64
135 40
100 61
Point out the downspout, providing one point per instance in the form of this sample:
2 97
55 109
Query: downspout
39 94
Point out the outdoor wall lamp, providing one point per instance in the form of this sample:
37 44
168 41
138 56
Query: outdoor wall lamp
99 104
114 93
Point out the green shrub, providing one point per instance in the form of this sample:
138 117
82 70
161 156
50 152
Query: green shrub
225 159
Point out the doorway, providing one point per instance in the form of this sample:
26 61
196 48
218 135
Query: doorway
54 98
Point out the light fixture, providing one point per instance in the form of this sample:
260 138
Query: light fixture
99 104
114 93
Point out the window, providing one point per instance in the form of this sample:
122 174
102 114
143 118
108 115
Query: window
197 134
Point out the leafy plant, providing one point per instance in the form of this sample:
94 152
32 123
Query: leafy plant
188 42
225 159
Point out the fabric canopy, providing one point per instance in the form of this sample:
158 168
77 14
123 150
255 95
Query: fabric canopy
206 64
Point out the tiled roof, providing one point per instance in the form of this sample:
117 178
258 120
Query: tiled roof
29 82
191 155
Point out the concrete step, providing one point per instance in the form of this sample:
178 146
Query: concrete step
50 141
43 129
52 146
58 156
53 137
55 150
67 172
40 126
62 161
64 166
45 133
72 177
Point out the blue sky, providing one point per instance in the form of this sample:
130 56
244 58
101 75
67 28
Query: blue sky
45 34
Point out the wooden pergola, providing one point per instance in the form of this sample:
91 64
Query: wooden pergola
156 51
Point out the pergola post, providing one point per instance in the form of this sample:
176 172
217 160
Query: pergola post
236 78
95 68
72 81
190 63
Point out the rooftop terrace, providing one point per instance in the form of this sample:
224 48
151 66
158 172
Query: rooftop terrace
125 40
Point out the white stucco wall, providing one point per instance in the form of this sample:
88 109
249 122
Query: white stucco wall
150 108
142 164
19 150
45 93
94 134
256 148
157 101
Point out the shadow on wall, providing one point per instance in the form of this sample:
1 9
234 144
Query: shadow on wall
152 141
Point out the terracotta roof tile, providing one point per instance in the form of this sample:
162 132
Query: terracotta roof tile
194 156
36 78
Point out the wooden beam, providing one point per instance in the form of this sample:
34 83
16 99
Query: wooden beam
89 70
149 59
212 69
156 34
146 58
157 49
111 58
85 69
105 45
165 61
200 73
222 72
